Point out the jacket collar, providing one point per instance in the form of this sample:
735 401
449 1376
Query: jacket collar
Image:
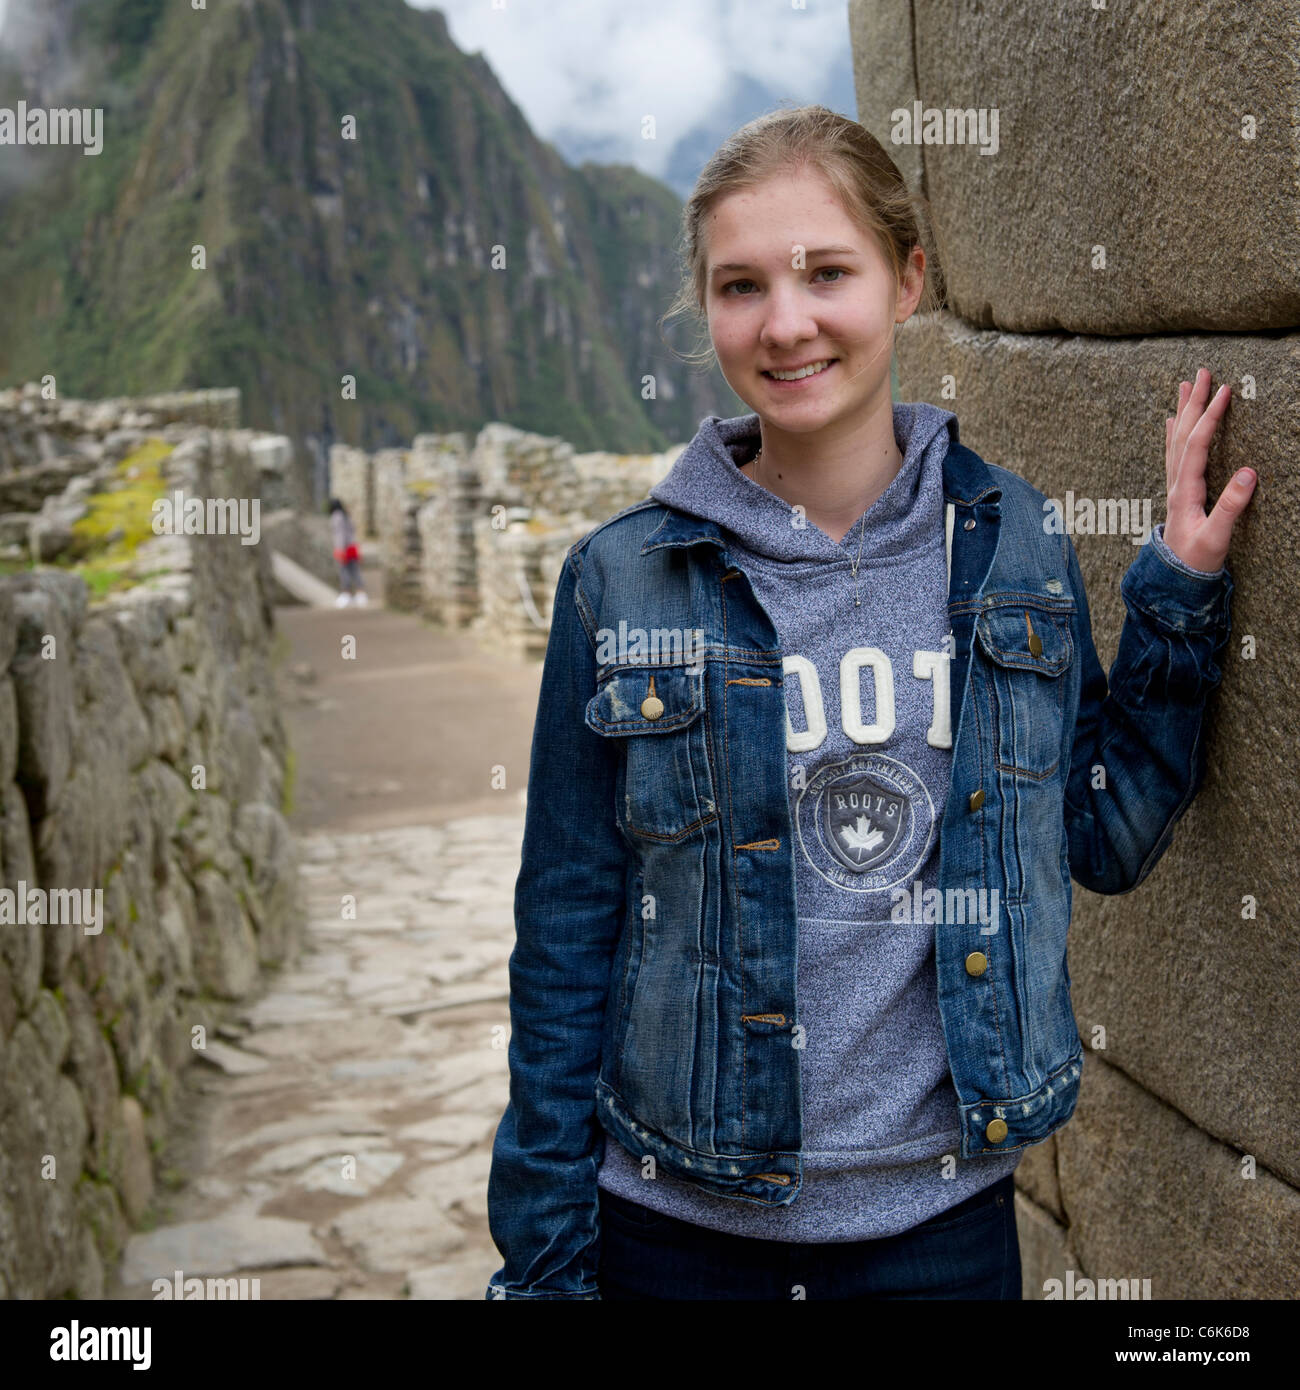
967 479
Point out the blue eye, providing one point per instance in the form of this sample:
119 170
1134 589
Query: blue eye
832 269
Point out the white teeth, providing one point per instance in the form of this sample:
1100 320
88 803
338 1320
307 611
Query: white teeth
810 370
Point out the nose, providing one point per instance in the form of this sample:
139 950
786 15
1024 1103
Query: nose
787 320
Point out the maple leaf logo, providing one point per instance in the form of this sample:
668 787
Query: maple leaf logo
861 835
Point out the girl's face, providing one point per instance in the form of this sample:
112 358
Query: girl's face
769 313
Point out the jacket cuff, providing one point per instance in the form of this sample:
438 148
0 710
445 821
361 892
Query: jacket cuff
1167 555
1174 595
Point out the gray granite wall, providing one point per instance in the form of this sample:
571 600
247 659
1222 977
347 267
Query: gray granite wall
1139 220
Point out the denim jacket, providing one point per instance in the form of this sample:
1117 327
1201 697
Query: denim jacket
662 782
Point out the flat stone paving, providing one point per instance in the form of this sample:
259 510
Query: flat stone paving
347 1115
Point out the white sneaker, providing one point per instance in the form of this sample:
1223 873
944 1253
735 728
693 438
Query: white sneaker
343 601
361 600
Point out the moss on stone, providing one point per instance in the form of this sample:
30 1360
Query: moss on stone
105 540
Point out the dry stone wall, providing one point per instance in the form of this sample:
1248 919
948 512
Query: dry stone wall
142 781
473 534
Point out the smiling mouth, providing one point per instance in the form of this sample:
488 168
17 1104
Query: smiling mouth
805 373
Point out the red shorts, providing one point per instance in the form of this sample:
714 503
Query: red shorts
344 556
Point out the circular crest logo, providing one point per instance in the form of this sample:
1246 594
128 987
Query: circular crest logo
866 823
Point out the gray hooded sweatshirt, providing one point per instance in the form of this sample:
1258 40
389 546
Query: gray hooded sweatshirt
881 1140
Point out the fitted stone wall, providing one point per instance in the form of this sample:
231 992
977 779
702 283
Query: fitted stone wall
472 535
141 755
1138 221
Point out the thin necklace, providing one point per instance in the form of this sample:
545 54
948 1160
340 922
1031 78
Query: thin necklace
857 601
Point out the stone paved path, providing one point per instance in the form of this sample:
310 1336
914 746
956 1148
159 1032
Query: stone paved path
339 1131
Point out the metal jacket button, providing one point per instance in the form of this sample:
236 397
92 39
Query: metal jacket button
977 799
996 1131
652 706
976 963
970 523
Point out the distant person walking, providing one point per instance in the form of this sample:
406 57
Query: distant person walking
347 553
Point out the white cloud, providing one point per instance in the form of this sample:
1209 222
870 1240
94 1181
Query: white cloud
601 65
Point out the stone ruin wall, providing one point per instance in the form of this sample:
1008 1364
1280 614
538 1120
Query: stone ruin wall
100 734
472 534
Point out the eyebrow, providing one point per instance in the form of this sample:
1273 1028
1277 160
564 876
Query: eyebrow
811 255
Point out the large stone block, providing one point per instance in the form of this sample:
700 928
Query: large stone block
1151 1196
1158 138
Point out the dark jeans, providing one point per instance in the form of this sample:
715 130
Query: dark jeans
349 576
969 1251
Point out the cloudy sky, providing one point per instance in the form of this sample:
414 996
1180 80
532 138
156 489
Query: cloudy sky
586 72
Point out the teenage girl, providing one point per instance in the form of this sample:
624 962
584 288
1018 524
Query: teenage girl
803 257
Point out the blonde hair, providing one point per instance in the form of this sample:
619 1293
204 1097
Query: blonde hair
786 141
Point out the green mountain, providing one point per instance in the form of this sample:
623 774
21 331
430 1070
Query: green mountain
328 256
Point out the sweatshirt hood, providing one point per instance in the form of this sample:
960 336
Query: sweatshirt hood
706 481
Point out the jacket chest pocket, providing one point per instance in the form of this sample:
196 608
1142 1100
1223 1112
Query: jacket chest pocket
666 779
1027 651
